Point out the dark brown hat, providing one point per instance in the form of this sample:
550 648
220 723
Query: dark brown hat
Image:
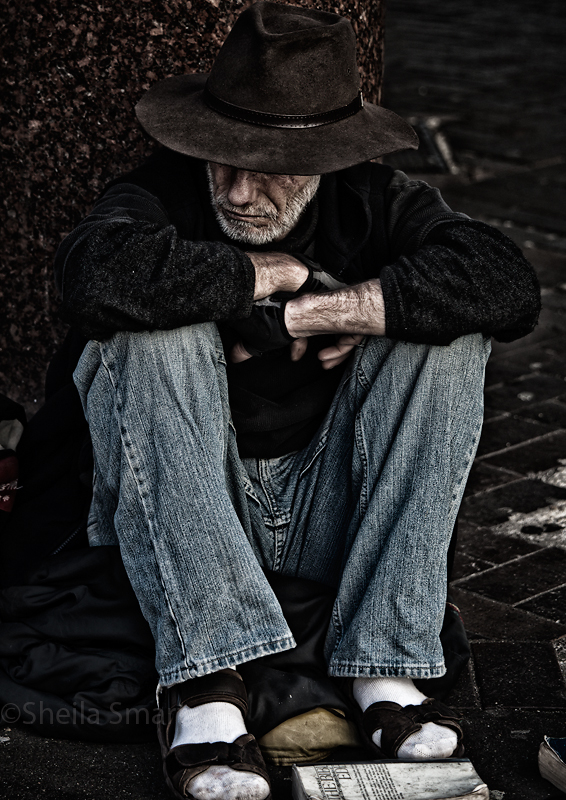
283 96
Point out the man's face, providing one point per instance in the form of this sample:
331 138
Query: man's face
258 207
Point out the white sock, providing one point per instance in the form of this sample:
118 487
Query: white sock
217 722
432 741
211 722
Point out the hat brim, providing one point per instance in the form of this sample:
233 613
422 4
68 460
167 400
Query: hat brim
174 113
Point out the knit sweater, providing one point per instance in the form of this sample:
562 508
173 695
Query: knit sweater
151 255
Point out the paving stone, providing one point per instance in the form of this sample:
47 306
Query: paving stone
550 325
533 197
503 93
555 299
484 476
492 413
468 564
552 412
534 456
465 694
522 578
490 619
551 605
531 389
33 766
545 357
495 548
495 506
503 747
502 433
519 675
531 239
550 267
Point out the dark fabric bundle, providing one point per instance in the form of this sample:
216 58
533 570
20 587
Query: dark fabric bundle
77 656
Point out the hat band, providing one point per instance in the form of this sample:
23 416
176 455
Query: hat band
282 120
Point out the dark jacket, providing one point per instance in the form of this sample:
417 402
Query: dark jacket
150 255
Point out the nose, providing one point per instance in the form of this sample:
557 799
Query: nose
244 187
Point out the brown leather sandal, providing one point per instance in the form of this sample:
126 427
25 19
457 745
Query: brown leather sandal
181 764
399 722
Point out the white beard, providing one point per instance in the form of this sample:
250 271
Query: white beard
276 229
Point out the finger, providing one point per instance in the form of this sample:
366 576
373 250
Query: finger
239 353
350 338
330 353
333 362
298 348
335 351
343 346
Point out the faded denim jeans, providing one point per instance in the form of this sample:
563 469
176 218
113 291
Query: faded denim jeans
368 507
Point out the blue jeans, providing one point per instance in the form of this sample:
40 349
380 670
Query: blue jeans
368 507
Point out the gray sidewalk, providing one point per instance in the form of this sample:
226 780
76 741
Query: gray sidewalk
486 83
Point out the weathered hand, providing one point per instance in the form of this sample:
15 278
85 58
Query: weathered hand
357 309
265 328
332 356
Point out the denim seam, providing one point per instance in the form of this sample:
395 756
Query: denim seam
344 670
142 499
273 523
279 518
337 623
228 660
279 532
362 378
465 468
266 486
359 440
320 447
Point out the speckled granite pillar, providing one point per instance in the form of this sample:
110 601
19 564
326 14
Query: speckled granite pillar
74 71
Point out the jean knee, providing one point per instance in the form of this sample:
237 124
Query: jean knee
473 344
160 353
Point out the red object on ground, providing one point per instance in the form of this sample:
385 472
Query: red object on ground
8 479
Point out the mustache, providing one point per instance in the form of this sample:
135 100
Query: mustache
251 210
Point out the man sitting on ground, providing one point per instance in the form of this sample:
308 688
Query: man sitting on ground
285 373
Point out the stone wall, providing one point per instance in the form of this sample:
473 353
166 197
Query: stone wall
74 70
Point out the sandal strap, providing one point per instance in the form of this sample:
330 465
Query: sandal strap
224 686
397 722
395 725
188 760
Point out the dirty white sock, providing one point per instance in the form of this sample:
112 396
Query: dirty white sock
211 722
432 741
217 722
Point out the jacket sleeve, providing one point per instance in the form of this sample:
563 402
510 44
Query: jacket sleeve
451 275
126 268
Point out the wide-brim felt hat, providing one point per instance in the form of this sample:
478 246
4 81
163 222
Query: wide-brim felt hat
282 96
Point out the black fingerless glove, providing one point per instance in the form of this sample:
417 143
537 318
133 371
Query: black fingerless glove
265 328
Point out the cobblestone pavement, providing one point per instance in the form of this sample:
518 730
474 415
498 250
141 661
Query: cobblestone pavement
485 82
509 578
